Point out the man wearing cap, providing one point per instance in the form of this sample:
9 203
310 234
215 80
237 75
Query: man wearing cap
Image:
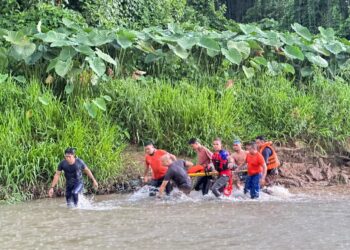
153 161
72 168
270 157
240 165
204 156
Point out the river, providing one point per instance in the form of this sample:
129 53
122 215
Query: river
136 221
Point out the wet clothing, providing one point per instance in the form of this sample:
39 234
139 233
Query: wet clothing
219 185
204 156
72 193
153 161
155 184
252 184
220 161
255 163
270 155
178 174
203 183
74 179
73 173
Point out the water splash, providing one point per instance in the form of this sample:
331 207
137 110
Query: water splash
88 203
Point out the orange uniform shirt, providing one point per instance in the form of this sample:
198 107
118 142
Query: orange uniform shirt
255 163
153 161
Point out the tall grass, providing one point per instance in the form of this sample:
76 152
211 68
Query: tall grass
273 106
34 134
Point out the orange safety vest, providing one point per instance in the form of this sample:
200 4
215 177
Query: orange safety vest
273 161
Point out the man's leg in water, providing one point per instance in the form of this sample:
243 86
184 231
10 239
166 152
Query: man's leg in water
248 184
69 195
255 186
271 176
219 184
203 183
78 188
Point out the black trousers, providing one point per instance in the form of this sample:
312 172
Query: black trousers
203 183
155 184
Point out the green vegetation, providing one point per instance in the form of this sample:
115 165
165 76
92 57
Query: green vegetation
36 127
66 67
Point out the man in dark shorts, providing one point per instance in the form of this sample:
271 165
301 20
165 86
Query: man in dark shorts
72 168
204 158
177 172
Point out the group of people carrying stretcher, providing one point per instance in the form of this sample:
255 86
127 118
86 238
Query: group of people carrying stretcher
218 171
255 166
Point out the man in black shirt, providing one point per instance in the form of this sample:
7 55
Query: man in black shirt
177 172
72 168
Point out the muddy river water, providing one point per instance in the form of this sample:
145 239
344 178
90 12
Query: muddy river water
135 221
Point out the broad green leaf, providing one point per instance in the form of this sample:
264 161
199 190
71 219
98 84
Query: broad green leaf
317 60
84 49
67 53
319 47
249 72
20 79
69 88
212 53
209 43
91 109
260 60
44 100
273 68
328 34
153 57
100 37
51 36
179 51
3 77
97 65
242 47
232 55
126 38
21 52
335 47
288 68
17 38
52 64
255 65
145 46
187 42
306 71
302 31
62 67
62 43
100 103
254 45
107 98
271 38
293 52
105 57
247 28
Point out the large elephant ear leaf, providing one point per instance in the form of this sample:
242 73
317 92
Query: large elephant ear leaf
302 31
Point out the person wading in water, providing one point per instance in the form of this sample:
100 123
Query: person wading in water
152 161
72 168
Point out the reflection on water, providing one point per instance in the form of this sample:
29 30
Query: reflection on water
278 221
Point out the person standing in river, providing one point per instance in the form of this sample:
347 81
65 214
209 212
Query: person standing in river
152 161
256 171
240 165
177 172
72 168
204 156
270 157
223 164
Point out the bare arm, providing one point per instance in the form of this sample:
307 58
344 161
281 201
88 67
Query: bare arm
173 157
188 164
54 182
91 176
161 188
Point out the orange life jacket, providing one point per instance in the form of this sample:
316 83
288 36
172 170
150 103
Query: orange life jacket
273 161
195 169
